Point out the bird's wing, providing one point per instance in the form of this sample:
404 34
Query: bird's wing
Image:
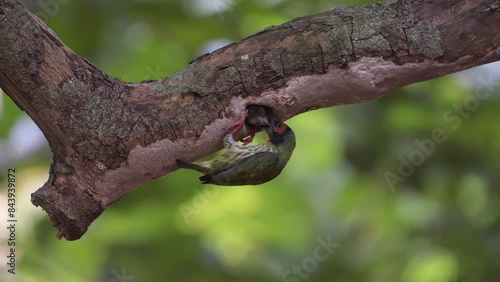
257 159
249 169
235 153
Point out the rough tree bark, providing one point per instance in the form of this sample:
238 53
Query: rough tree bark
108 137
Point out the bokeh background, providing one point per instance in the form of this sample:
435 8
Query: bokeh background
367 196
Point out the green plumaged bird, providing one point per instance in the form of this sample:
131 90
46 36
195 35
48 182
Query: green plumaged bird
248 165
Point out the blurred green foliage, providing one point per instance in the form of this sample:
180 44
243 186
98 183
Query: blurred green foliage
439 223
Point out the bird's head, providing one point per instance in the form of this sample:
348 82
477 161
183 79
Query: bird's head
279 133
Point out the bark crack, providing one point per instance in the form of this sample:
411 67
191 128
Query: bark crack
241 79
322 56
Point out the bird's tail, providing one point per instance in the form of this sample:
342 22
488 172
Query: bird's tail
189 165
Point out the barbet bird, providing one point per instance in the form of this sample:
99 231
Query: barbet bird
248 165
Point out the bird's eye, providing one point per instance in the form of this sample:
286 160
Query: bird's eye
280 128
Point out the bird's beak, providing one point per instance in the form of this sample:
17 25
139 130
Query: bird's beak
269 129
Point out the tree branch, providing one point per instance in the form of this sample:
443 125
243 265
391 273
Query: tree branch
108 137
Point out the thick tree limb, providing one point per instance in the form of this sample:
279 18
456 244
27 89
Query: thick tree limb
108 137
